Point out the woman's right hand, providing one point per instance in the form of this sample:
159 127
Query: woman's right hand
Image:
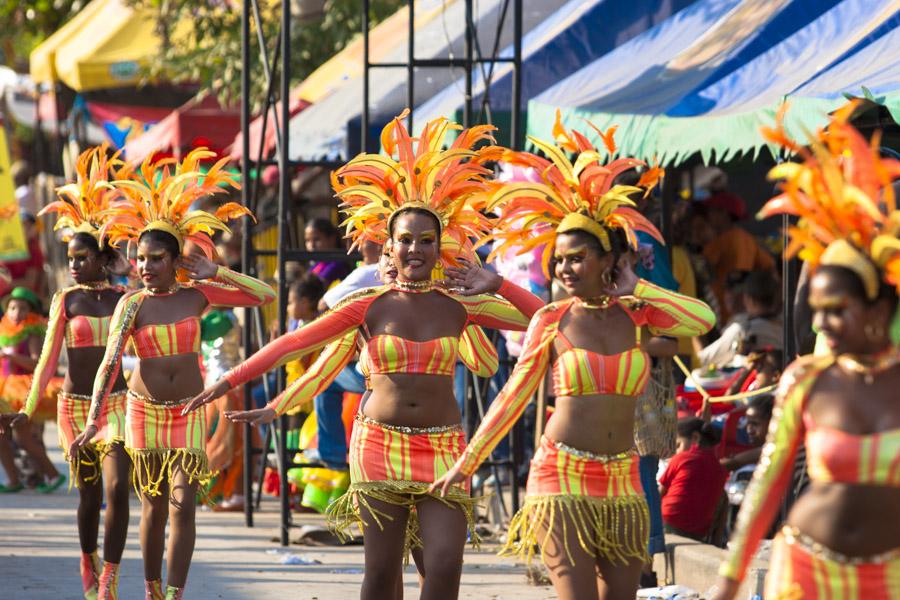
259 416
82 440
216 390
11 420
727 589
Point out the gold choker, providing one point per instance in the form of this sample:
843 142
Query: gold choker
597 302
96 287
413 287
167 292
880 363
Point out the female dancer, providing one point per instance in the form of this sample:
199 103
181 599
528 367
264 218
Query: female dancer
584 506
842 536
80 317
163 322
408 432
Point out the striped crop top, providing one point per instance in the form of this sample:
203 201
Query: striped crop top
580 372
80 331
385 354
832 456
168 339
227 289
83 331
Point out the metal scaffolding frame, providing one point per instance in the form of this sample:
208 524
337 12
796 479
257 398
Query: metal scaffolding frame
279 63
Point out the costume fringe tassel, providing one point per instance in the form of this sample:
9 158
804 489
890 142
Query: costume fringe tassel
154 466
346 512
615 528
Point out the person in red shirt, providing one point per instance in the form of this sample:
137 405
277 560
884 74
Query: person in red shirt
693 482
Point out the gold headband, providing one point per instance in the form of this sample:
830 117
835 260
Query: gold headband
160 225
842 253
578 221
417 205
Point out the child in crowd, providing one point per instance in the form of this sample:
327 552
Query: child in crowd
693 483
321 235
22 330
756 424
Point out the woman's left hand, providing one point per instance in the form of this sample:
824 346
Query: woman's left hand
624 278
470 279
199 267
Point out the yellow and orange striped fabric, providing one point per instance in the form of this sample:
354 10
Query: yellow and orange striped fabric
71 418
168 339
795 573
601 499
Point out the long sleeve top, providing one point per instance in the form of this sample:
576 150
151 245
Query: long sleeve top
662 311
87 331
475 351
228 289
512 311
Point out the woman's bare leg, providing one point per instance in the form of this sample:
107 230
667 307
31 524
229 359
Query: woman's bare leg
183 510
443 531
383 548
574 577
154 515
116 468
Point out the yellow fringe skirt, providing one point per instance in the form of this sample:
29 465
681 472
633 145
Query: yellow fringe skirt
395 465
161 441
71 418
595 499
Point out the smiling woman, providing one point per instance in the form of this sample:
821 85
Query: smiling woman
408 431
162 320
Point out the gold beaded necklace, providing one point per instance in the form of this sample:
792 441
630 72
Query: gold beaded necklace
413 287
166 292
596 303
94 287
873 365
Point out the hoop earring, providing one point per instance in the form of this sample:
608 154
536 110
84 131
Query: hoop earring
606 278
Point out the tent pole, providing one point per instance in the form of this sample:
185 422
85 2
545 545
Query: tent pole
284 198
245 249
411 66
364 122
515 139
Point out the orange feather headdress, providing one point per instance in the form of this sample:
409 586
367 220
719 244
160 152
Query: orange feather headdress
83 202
375 188
159 197
571 196
842 193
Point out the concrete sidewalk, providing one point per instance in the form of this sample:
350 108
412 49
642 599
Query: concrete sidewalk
39 557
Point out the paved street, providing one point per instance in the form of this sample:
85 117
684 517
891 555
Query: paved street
39 558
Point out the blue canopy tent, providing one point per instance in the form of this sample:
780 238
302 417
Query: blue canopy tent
576 34
707 78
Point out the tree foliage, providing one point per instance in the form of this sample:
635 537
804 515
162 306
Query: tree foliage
209 52
26 23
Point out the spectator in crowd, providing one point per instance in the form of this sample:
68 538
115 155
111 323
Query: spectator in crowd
29 272
321 235
759 326
363 276
756 424
22 332
21 175
729 247
693 483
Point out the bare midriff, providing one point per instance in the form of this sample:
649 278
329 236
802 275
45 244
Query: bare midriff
412 400
855 520
82 368
598 423
168 378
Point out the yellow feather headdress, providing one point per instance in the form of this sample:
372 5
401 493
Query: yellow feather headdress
159 197
842 193
82 203
374 188
570 196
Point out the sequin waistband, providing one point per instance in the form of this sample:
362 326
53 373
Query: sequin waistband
88 397
148 400
407 430
794 537
603 458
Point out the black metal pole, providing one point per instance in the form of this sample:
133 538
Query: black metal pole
467 108
284 198
364 123
245 248
515 136
411 66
